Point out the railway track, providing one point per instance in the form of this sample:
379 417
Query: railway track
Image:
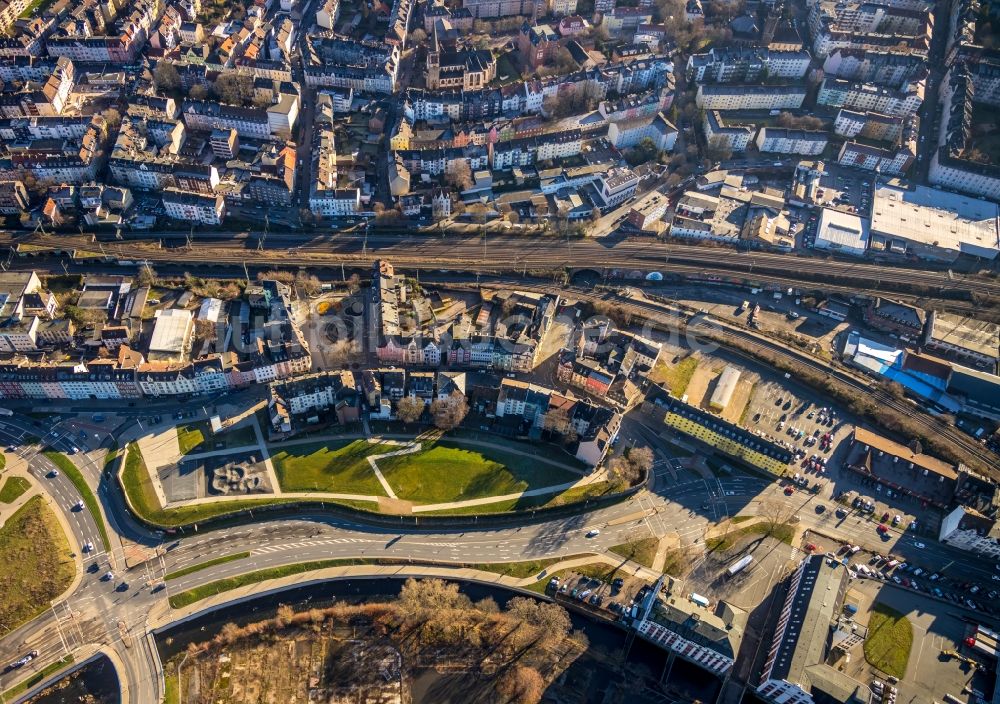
503 253
669 318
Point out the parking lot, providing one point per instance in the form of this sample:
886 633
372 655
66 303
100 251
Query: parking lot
599 587
931 672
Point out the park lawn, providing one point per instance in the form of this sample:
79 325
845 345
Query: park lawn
334 467
890 637
13 489
142 496
642 550
675 377
785 532
446 472
32 545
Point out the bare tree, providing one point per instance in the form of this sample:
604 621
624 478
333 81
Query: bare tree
165 77
558 421
409 409
459 175
448 413
146 276
421 594
308 283
522 685
641 458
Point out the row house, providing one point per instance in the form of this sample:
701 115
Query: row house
208 116
839 93
788 141
746 64
750 97
312 395
869 125
884 68
894 162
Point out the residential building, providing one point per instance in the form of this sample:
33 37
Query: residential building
741 64
203 208
789 141
734 96
721 132
617 185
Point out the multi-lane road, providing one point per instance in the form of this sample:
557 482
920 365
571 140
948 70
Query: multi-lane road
113 614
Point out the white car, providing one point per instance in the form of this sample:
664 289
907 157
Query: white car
88 546
919 545
78 506
593 533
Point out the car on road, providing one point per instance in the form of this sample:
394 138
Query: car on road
593 533
78 506
88 546
54 473
22 661
919 545
108 576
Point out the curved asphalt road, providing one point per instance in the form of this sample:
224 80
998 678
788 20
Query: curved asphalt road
112 616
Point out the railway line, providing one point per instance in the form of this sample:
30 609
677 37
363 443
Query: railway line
861 385
494 253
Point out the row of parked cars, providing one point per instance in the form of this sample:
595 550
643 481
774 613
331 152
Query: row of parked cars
909 575
589 590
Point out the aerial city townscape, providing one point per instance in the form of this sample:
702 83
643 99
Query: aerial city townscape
500 351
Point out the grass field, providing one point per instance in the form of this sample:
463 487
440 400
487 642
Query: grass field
446 472
341 468
642 550
191 436
142 496
13 488
66 466
783 531
890 637
185 598
579 493
675 377
191 569
32 543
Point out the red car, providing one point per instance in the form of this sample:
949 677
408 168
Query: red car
881 528
885 516
789 491
811 547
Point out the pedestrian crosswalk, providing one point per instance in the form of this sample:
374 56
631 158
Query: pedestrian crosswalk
306 544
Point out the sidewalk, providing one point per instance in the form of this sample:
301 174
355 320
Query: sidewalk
159 619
